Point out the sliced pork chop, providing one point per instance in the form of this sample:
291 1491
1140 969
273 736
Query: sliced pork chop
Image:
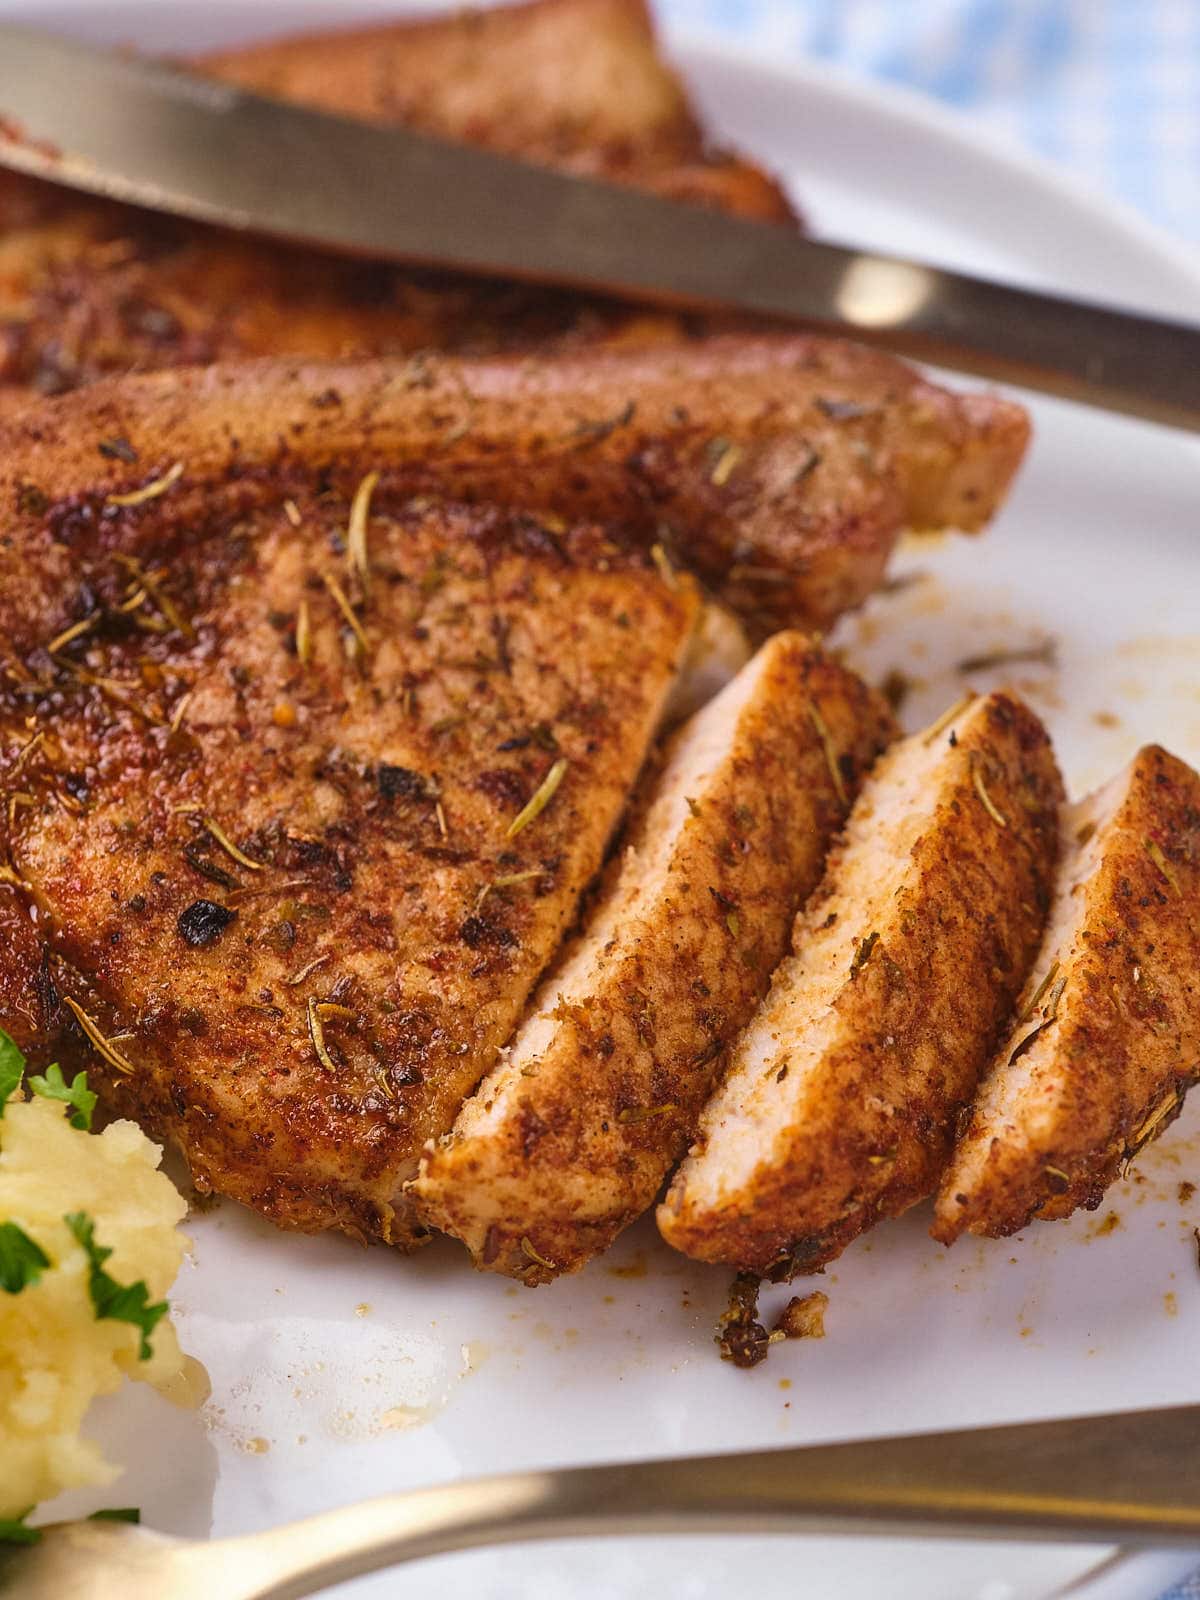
569 1138
1107 1037
88 288
779 468
265 748
842 1095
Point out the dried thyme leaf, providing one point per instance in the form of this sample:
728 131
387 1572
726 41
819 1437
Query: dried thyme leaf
989 804
316 1032
68 635
226 843
534 1258
357 553
1030 1010
103 1046
303 634
663 562
1154 851
947 717
726 462
1044 654
831 761
633 1114
150 491
541 798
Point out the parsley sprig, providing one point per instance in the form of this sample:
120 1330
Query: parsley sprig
12 1069
76 1094
22 1261
118 1302
16 1530
51 1085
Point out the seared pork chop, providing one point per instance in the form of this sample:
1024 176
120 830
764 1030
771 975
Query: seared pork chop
298 790
1107 1037
88 288
570 1136
780 468
842 1095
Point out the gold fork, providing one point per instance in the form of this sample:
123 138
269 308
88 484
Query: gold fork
1132 1478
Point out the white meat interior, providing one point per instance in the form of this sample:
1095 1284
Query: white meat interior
699 752
1084 830
796 1024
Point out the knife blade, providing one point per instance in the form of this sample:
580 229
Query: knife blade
157 136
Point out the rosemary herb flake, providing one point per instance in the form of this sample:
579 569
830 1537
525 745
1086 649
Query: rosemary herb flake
150 491
103 1046
539 800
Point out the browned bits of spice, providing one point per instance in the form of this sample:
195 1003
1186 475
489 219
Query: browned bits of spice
740 1337
863 954
1186 1192
804 1316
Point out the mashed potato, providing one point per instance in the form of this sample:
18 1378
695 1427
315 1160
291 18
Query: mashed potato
56 1354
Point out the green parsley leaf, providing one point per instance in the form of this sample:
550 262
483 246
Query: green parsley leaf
22 1262
12 1068
117 1514
14 1531
116 1302
76 1094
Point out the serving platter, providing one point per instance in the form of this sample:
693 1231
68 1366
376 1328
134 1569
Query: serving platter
338 1373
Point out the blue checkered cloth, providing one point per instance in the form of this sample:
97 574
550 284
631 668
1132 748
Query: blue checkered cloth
1109 88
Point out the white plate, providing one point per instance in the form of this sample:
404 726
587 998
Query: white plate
338 1373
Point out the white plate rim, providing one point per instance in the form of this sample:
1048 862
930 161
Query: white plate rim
699 45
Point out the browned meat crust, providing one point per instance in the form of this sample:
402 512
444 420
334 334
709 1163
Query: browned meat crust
88 289
569 1138
253 788
780 468
843 1094
1108 1037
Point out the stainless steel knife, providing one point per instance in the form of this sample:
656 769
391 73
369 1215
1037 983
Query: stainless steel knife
157 136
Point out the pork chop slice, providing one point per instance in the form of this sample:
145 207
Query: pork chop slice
1106 1041
265 748
780 468
569 1137
88 288
842 1095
